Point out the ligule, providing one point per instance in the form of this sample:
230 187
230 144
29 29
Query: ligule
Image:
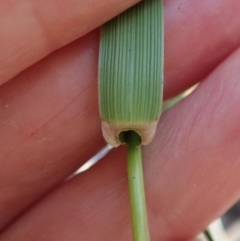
131 72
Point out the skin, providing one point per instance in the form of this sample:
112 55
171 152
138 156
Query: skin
49 123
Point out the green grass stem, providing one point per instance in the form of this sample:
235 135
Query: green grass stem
208 235
136 188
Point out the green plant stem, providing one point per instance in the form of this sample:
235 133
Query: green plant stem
136 188
208 235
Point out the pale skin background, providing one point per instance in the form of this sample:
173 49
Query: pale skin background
49 123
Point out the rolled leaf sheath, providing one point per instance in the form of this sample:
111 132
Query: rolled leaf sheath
131 72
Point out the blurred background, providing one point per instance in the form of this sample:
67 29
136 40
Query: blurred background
231 223
226 228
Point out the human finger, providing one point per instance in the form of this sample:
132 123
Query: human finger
19 99
199 35
30 30
190 175
49 125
